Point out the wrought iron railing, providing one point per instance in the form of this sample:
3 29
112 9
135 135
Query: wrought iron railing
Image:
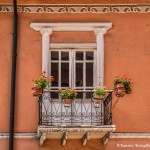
83 110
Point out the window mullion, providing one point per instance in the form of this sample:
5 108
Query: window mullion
70 68
50 61
59 70
73 68
84 71
94 69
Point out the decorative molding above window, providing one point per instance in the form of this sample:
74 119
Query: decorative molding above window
73 45
141 8
72 26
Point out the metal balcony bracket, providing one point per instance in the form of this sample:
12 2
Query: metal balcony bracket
85 138
106 137
64 138
42 138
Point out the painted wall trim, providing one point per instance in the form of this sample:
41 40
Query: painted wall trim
68 26
19 135
32 135
130 135
115 8
73 45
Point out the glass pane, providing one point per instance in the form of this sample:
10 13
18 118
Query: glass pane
89 74
80 95
89 94
64 55
65 74
54 95
89 55
54 55
79 74
79 55
54 73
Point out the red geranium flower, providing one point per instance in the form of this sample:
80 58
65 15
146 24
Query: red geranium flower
44 79
43 71
52 78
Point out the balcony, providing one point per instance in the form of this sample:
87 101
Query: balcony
82 119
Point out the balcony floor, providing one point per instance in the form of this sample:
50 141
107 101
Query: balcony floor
84 133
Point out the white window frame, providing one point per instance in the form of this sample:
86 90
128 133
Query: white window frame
77 47
84 68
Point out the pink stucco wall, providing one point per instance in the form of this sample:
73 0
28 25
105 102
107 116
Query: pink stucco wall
78 2
126 52
113 144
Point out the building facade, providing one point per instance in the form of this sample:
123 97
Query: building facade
83 45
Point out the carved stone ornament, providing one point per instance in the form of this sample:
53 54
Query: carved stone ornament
141 8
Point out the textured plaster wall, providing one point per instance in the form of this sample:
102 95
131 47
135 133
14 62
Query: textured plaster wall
127 51
114 144
79 2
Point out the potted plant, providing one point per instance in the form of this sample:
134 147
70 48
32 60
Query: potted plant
122 85
40 83
68 96
99 94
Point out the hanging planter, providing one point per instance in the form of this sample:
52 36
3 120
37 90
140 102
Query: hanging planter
36 90
40 83
119 90
122 85
68 96
98 96
68 102
97 99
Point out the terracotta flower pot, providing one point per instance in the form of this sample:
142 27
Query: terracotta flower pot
97 99
101 97
68 102
36 90
119 90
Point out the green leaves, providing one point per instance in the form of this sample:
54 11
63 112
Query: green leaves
126 80
100 91
68 93
43 81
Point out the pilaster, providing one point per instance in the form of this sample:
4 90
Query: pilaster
45 49
99 32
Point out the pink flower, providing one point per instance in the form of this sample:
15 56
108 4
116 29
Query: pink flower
44 79
51 78
43 71
118 80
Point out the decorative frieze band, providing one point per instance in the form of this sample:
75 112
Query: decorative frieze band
19 135
77 8
113 136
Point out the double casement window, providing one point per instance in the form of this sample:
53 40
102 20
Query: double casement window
73 68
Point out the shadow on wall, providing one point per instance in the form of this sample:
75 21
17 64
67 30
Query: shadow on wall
73 145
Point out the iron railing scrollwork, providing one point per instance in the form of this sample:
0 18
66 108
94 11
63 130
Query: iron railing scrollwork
82 111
